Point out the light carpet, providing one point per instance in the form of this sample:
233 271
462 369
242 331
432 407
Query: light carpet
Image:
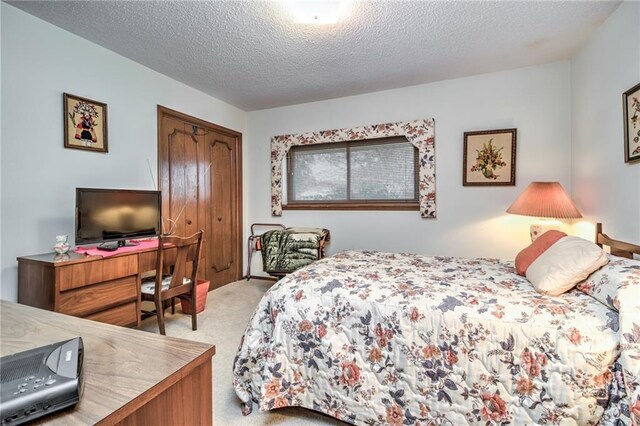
222 323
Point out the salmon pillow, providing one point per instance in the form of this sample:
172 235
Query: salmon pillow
527 256
563 265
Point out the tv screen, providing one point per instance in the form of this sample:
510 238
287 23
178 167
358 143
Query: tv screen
116 214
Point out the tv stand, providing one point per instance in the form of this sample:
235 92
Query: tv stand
105 289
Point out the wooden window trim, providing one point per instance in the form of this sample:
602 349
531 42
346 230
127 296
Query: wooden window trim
359 204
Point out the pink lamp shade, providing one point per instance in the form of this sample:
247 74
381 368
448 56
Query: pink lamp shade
545 199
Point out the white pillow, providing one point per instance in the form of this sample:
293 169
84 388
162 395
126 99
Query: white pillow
564 264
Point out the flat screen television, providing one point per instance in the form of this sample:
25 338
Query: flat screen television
116 215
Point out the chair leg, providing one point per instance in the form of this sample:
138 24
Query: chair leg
194 317
173 306
160 315
249 255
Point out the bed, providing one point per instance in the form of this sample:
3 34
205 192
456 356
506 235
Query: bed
383 338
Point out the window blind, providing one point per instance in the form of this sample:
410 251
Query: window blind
359 171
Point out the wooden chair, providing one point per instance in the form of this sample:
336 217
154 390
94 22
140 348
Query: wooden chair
163 288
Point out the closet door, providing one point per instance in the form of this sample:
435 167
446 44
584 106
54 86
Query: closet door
179 184
222 221
200 169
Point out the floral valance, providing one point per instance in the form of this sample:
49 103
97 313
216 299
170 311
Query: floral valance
420 133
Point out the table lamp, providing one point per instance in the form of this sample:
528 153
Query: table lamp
544 200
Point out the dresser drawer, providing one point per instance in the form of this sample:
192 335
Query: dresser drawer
89 299
123 315
87 273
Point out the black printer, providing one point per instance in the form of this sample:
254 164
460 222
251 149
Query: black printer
40 381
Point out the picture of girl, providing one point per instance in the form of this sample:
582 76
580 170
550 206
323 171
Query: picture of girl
85 128
85 124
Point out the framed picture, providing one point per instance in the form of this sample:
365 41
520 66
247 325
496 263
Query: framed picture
631 107
85 124
489 158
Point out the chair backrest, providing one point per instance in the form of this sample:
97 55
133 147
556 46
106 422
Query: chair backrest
187 249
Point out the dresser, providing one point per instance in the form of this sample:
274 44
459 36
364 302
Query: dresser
92 287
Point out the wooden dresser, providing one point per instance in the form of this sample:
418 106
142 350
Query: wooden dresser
92 287
130 377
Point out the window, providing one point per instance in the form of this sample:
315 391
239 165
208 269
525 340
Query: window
370 174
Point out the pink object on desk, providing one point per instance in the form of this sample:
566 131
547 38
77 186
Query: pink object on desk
142 245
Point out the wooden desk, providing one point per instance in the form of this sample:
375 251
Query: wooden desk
93 287
130 376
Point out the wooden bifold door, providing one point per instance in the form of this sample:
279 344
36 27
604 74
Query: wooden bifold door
200 176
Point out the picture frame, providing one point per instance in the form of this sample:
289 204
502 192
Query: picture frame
85 123
489 158
631 116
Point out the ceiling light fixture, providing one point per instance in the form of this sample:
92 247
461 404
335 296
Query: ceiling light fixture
316 12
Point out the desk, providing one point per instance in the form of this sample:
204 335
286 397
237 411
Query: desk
130 376
93 287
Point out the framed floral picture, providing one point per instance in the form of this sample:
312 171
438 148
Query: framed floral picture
489 158
631 107
85 124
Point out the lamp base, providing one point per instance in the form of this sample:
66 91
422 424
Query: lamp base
541 226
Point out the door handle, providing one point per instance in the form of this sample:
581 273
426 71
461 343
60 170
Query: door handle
189 222
219 219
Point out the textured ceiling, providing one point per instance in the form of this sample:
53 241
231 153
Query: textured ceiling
252 55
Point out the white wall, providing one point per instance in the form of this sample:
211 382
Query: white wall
604 187
0 145
471 220
39 176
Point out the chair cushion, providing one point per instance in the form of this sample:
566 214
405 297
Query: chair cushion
149 284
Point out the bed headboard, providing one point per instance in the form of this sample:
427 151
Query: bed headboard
618 248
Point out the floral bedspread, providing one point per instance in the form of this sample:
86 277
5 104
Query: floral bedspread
380 338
